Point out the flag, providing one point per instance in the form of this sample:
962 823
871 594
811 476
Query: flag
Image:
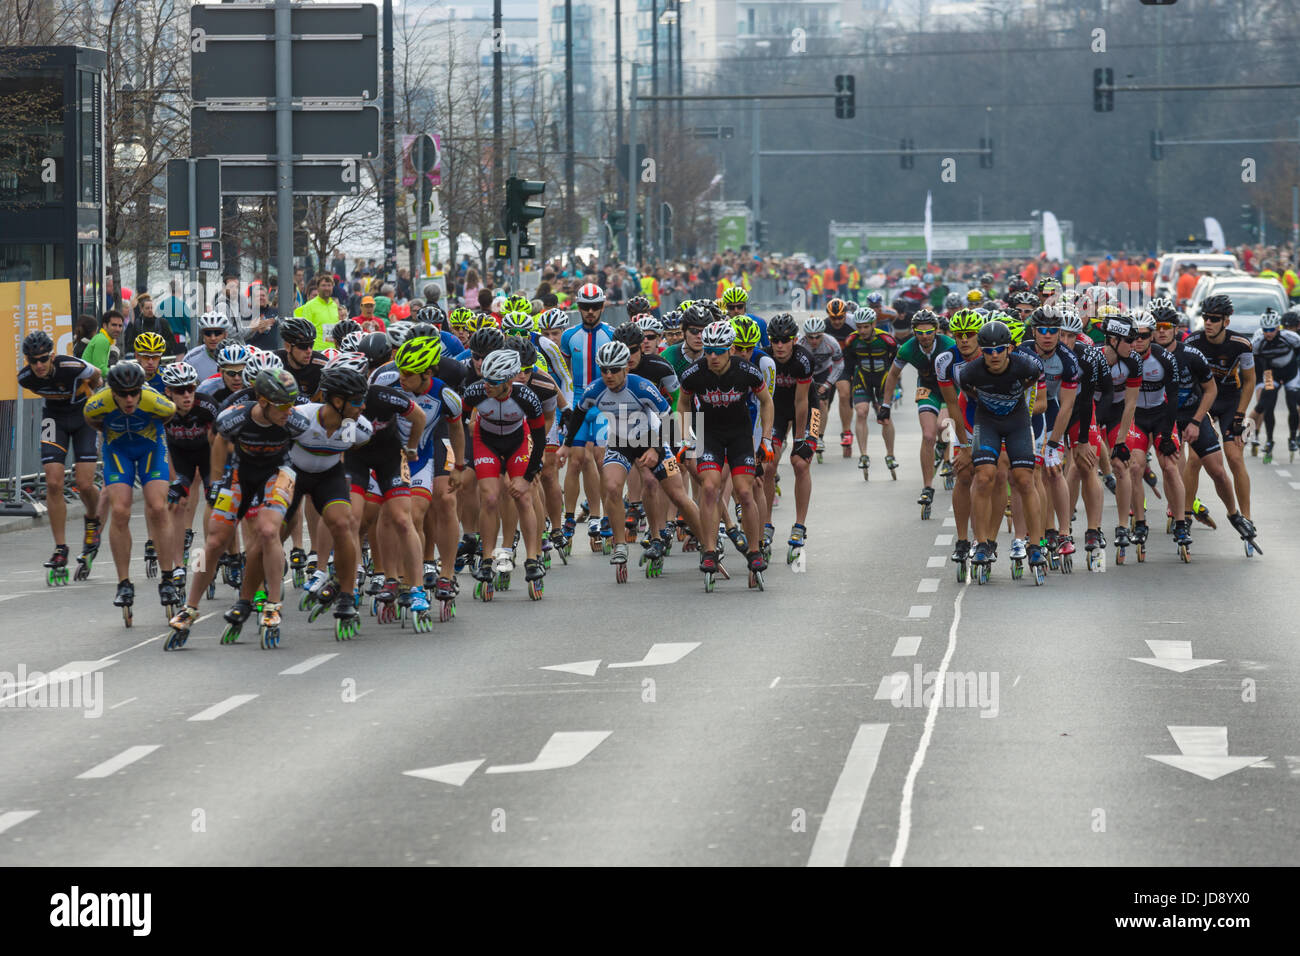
1052 237
929 227
1214 233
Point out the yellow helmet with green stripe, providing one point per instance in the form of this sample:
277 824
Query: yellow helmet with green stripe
748 334
735 294
149 343
966 320
417 356
461 318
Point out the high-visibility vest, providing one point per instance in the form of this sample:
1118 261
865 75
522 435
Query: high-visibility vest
723 285
650 289
744 281
855 279
1289 281
815 283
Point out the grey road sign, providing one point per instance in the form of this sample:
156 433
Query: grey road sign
335 51
250 134
309 179
207 199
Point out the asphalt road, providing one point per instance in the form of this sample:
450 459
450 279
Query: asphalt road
651 723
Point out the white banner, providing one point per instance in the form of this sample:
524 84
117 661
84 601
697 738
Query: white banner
1052 237
929 228
1214 233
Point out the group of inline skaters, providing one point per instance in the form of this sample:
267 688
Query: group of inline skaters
1029 399
437 446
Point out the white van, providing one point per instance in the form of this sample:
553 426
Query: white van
1207 263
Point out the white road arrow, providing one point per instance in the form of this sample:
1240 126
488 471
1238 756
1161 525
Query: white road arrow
1173 656
453 773
662 654
564 749
586 668
1204 752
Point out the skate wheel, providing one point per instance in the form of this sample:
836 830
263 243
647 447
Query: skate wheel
756 579
620 573
1185 553
535 590
961 572
708 583
445 611
212 590
1040 576
1249 549
1054 563
1017 570
983 576
127 617
1119 555
1067 565
230 634
546 561
865 475
1142 554
947 484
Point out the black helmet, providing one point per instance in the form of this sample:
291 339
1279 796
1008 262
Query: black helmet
1017 284
697 316
630 334
277 386
343 330
486 340
422 330
1119 327
1046 315
376 348
1291 318
526 349
342 381
1022 297
993 334
637 305
298 331
433 316
783 326
925 317
1163 311
125 377
1216 305
986 278
38 343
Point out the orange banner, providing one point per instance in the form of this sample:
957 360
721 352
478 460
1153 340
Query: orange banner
26 307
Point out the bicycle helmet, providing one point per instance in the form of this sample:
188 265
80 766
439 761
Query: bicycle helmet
952 302
1070 321
718 335
486 341
1163 311
630 334
1216 305
432 315
875 300
1270 320
966 320
673 320
342 381
814 326
276 385
38 343
232 355
375 347
461 318
298 331
502 365
613 355
993 334
179 375
697 316
126 376
259 363
865 316
1118 326
149 343
649 325
1290 319
1022 297
736 295
352 341
782 326
1017 284
553 319
1046 285
342 330
398 332
418 355
1017 329
986 278
925 317
519 303
1047 315
353 360
1143 320
517 323
590 294
527 352
974 297
212 321
748 334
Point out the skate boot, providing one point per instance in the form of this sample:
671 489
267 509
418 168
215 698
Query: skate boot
738 539
619 560
653 559
239 612
298 567
533 574
606 535
864 462
269 630
1095 547
593 534
757 565
1038 564
89 549
1122 543
124 598
346 619
961 557
798 539
560 544
1183 538
892 464
1202 514
1268 452
1139 536
1242 525
846 443
926 500
180 625
421 618
168 595
151 559
58 567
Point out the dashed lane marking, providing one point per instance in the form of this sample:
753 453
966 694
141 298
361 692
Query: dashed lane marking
840 821
907 646
111 766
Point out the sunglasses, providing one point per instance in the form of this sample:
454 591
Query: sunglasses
924 331
357 402
736 305
816 337
994 349
1165 326
134 393
207 332
41 359
589 308
1213 318
285 407
1047 329
782 341
1142 336
651 335
611 369
717 350
181 389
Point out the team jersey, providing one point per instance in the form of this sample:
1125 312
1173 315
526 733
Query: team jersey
1194 373
578 347
843 333
203 360
633 412
215 390
946 366
556 367
307 377
724 399
1159 379
662 374
145 422
1228 359
827 359
188 431
676 356
259 446
795 371
317 450
505 416
544 388
1001 393
1126 373
767 366
1278 355
872 355
1061 369
67 386
911 353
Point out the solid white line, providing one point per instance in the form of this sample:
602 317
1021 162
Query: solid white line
937 561
943 540
919 610
15 817
227 705
123 703
927 586
307 665
835 833
111 766
909 785
907 646
774 683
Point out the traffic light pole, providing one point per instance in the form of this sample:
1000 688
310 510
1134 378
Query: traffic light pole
419 213
633 259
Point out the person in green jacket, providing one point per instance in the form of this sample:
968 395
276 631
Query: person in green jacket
99 352
321 310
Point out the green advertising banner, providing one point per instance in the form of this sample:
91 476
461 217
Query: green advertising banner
733 232
896 244
848 248
1005 241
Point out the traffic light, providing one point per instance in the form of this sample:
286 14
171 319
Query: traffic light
617 219
666 226
1103 101
905 158
423 204
519 211
760 232
1248 220
986 153
640 234
844 106
1157 151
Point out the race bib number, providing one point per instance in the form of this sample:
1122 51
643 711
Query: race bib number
282 491
224 500
922 393
815 423
406 470
670 465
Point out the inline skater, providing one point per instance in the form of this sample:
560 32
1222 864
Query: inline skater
871 353
965 325
64 383
828 364
1277 353
840 326
794 411
189 447
578 346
